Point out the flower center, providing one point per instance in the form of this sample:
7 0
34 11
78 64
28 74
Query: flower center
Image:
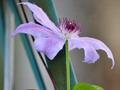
69 28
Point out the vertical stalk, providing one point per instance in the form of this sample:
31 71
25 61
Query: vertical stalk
67 66
8 50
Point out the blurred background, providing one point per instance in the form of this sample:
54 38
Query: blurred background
100 19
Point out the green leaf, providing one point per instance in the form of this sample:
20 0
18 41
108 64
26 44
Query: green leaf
28 48
2 29
98 87
85 86
2 43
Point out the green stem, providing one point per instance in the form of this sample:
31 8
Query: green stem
67 66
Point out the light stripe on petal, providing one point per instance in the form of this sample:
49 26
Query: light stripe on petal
97 44
33 29
91 56
49 46
41 16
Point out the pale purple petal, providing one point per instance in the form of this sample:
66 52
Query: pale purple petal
41 16
97 44
49 46
71 46
91 55
33 29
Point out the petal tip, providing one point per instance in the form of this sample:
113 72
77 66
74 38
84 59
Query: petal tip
113 64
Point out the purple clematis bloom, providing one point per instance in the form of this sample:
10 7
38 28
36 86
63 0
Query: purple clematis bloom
50 39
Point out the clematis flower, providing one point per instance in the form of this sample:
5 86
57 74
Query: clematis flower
50 39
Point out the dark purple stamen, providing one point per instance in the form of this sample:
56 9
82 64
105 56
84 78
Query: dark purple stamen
69 25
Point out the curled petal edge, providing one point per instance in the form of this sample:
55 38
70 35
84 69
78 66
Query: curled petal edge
94 43
99 45
91 56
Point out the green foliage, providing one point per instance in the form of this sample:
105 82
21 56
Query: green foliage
2 29
2 43
58 65
27 46
85 86
98 87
